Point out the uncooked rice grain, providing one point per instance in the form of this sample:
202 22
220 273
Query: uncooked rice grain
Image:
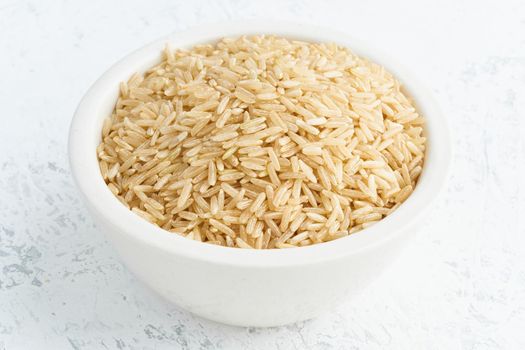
262 142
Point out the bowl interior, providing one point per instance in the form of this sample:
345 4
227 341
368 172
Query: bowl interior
99 102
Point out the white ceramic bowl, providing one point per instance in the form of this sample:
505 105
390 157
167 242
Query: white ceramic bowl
238 286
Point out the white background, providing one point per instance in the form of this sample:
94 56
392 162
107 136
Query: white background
459 285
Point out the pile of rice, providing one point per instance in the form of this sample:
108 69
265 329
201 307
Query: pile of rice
262 142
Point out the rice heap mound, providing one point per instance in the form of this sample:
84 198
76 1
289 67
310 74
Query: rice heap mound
262 142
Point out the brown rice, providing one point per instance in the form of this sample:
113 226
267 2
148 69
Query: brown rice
262 142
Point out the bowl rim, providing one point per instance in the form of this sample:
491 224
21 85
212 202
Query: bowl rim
85 128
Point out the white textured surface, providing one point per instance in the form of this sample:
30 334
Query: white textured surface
460 285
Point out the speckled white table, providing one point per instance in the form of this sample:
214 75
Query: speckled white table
460 285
